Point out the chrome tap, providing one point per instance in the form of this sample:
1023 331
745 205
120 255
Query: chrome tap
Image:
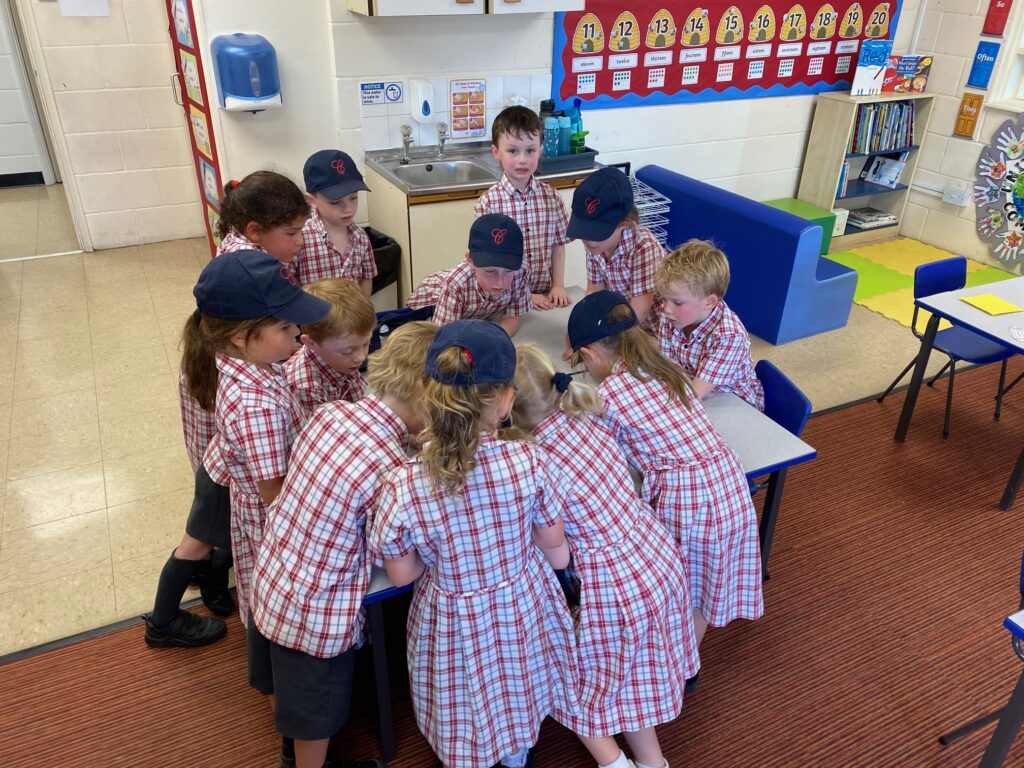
406 141
442 137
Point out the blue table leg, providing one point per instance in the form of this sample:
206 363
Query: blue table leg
769 514
1009 724
927 342
1013 484
378 644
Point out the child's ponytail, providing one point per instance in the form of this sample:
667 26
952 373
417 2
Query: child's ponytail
453 413
541 390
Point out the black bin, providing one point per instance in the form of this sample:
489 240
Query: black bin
387 254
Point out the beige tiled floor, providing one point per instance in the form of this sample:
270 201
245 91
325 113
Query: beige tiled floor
94 482
35 221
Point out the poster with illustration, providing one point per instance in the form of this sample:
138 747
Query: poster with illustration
631 53
467 108
190 71
200 131
182 24
210 186
213 220
999 195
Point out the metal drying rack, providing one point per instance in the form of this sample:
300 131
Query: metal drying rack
652 206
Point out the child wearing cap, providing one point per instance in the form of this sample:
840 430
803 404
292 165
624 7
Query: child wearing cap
489 285
333 245
326 367
697 329
691 477
490 640
312 571
635 631
622 255
265 212
536 206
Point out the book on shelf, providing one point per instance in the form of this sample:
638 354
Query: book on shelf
885 171
907 74
844 177
871 65
871 218
882 127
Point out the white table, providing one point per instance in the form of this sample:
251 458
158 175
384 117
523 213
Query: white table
998 328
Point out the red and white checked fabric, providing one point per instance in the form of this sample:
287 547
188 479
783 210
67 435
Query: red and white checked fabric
234 241
540 213
631 269
258 417
199 426
319 259
491 650
697 488
315 382
635 628
717 351
455 295
312 571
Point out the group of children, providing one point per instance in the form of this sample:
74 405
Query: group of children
546 583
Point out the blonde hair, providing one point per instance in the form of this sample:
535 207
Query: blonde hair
398 367
642 358
201 339
697 264
536 395
453 413
351 311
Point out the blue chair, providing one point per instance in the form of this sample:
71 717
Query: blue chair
956 343
788 407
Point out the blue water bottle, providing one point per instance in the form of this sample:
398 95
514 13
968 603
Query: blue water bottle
564 134
550 137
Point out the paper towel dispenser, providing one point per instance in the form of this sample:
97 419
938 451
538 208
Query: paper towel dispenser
246 70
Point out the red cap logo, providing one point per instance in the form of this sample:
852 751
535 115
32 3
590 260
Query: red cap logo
498 235
592 203
339 166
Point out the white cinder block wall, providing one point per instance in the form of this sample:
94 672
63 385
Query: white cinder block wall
950 30
126 137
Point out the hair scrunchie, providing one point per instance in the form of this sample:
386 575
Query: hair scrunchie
562 381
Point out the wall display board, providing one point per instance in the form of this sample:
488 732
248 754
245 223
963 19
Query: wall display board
196 103
999 194
631 53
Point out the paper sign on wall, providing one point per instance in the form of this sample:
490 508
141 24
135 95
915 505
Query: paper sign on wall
984 62
967 116
468 108
995 19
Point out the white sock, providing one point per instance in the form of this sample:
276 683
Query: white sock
618 762
641 765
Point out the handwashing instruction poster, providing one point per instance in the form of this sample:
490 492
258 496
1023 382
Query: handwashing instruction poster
632 53
468 105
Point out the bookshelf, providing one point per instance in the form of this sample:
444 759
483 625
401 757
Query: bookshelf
835 116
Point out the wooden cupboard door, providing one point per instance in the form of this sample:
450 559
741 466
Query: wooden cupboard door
534 6
438 235
416 7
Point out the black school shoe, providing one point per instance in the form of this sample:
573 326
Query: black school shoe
691 684
188 630
216 595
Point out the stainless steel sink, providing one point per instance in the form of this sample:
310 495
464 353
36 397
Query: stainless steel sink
443 173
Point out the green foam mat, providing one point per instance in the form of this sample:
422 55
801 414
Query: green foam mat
872 278
987 275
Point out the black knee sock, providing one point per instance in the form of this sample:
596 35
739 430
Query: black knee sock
217 568
174 580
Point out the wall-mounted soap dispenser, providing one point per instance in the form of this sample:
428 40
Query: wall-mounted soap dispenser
421 100
246 69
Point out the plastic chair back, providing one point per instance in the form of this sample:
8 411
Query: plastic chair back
784 403
940 276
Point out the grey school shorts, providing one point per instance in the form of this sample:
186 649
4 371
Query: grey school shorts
312 695
209 520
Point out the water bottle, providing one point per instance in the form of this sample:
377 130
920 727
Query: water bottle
550 137
564 134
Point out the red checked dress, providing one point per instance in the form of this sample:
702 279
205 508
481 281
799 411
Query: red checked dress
697 487
631 268
716 351
540 214
455 295
199 426
319 259
490 641
314 382
312 570
636 640
258 417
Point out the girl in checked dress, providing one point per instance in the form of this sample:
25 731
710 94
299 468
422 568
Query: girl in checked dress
490 640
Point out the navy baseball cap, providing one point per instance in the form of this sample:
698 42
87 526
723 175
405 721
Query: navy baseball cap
496 240
333 174
600 204
588 321
246 285
491 352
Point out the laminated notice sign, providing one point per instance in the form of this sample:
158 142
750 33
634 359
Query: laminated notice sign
468 108
995 19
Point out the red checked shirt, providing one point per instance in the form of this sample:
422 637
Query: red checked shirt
455 295
315 382
319 259
540 213
258 417
312 570
199 426
716 351
234 241
631 269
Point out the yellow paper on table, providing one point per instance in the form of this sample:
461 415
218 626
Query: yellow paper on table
989 302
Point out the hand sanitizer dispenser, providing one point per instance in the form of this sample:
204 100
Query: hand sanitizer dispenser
246 69
421 100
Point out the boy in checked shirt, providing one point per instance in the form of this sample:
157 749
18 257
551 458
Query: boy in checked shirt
312 571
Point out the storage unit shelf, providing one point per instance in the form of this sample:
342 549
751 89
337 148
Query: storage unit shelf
908 148
853 229
863 188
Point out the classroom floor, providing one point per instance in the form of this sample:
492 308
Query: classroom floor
35 221
96 485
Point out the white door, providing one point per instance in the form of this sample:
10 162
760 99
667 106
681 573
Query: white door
22 149
534 6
